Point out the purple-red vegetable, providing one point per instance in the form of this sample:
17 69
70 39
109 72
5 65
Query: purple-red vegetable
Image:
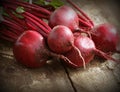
87 48
105 37
84 21
29 49
66 16
60 39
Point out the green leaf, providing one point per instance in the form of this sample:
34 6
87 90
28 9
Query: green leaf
39 2
20 9
26 0
18 15
2 12
56 3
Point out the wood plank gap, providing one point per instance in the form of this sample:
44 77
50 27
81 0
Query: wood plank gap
6 54
67 73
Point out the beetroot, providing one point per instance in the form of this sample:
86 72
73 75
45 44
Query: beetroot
66 16
60 39
30 49
87 49
105 37
84 21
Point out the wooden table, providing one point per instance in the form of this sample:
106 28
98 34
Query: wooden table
100 76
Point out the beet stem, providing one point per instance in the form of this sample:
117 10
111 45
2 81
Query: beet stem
67 60
9 34
81 17
79 52
31 25
81 12
29 6
38 20
99 52
12 25
39 15
20 22
41 29
85 23
7 38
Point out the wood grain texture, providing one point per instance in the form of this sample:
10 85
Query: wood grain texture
16 78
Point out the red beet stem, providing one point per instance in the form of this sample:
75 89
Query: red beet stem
12 25
38 14
9 25
80 55
41 29
38 20
65 59
9 34
98 52
31 25
7 38
20 22
17 32
85 15
28 5
84 23
84 19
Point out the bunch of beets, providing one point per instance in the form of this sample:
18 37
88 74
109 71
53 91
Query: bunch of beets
39 34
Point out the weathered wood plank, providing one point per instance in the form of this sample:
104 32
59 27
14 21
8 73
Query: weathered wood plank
99 76
17 78
95 78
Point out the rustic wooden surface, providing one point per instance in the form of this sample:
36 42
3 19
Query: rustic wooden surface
100 76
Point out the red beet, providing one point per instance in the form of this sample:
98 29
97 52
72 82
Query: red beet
60 39
66 16
87 50
30 49
105 37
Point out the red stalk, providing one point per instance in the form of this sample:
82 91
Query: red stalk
18 21
39 15
17 32
37 24
38 20
85 23
35 27
12 25
9 34
31 25
29 6
98 52
74 5
84 19
7 38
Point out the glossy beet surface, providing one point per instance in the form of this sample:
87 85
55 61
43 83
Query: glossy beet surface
105 37
64 15
29 49
60 39
86 48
